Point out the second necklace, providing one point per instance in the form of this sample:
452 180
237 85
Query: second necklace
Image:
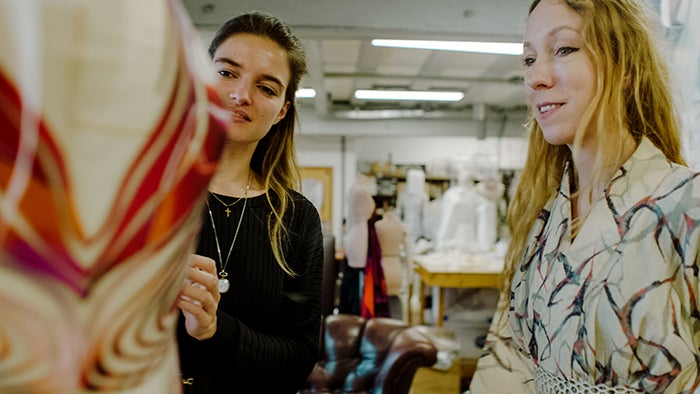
224 284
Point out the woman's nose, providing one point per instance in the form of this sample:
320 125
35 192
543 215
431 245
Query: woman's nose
539 75
240 95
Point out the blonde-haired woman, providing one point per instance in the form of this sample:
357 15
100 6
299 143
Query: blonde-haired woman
601 278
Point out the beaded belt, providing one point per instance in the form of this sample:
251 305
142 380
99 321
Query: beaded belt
547 383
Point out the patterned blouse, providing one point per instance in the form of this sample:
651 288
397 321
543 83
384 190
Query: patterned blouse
618 305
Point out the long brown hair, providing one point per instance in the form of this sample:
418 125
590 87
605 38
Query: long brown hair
632 95
274 157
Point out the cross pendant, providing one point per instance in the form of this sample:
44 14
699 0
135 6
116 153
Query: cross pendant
228 212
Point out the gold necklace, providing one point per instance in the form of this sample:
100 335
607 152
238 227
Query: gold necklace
227 206
224 284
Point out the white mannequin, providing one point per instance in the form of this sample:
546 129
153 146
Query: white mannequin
431 218
360 209
411 204
491 188
468 219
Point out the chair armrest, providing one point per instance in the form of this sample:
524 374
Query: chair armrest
409 351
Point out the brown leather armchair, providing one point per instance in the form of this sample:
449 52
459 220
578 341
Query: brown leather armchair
378 355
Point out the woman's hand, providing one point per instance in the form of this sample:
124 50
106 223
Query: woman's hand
199 297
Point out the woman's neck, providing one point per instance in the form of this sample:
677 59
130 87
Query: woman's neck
233 176
590 185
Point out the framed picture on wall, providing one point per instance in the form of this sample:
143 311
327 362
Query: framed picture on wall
317 186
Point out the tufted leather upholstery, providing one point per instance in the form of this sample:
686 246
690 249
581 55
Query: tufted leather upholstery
378 355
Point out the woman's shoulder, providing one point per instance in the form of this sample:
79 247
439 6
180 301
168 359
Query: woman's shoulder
676 189
302 216
302 206
294 196
298 198
680 175
660 175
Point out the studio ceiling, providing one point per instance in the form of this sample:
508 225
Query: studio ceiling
337 35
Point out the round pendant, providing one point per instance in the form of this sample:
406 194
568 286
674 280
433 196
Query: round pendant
223 285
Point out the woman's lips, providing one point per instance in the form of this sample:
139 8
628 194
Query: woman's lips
548 107
239 115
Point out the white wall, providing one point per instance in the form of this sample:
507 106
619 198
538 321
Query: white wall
343 170
437 152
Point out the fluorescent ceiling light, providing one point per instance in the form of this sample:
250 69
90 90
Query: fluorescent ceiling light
501 48
305 93
410 95
380 114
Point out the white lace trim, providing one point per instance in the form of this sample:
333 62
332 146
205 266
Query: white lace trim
547 383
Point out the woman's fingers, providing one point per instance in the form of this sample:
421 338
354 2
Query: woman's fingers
203 271
199 324
199 297
203 263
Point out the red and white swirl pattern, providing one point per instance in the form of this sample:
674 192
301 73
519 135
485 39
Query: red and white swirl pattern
109 135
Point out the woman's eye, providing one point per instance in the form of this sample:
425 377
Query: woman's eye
268 91
528 61
563 51
225 73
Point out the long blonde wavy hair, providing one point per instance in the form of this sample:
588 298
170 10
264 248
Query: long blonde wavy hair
632 95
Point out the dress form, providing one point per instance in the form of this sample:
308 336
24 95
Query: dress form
101 197
391 234
468 218
491 188
411 204
361 206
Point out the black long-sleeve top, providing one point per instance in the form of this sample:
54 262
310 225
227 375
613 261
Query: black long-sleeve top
268 322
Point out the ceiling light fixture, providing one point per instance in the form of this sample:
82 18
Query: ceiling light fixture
501 48
305 93
409 95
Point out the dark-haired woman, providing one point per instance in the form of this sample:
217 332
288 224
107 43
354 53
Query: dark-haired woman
263 235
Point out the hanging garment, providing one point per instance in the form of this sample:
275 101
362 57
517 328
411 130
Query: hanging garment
375 302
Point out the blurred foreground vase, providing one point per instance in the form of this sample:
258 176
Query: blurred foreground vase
108 137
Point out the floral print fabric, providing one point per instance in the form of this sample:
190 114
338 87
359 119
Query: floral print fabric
617 305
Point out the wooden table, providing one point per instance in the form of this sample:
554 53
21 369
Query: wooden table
454 270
